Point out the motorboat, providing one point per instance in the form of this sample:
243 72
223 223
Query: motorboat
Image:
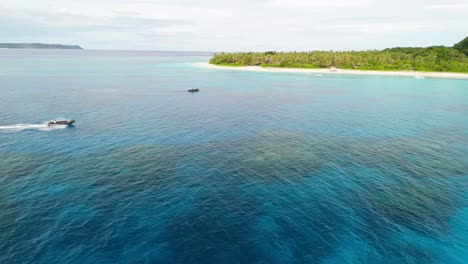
61 122
195 90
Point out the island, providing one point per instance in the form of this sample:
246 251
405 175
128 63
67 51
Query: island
430 59
37 46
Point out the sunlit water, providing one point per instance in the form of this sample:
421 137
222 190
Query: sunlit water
256 168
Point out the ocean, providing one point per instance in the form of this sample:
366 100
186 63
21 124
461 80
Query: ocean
255 168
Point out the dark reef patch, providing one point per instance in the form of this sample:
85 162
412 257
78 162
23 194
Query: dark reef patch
277 197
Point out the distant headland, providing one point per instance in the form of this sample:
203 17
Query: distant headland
37 46
430 59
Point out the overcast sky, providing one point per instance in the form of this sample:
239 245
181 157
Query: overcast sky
235 25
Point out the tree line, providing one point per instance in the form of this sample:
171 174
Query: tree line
435 58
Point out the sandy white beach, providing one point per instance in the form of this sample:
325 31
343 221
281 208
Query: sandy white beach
414 74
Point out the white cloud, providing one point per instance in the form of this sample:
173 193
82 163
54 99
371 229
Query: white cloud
460 5
318 4
234 25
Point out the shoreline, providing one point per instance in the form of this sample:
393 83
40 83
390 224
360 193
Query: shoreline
415 74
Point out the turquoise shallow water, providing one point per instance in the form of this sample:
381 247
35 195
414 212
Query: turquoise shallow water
256 168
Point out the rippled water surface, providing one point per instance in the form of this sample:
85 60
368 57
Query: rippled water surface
256 168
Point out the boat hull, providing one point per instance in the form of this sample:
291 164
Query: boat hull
61 123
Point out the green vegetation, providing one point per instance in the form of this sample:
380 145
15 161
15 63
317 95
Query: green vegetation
462 46
37 46
435 58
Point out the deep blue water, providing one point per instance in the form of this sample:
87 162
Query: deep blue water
256 168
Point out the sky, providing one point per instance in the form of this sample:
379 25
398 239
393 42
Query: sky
235 25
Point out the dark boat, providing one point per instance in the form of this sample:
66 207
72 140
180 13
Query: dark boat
61 122
193 90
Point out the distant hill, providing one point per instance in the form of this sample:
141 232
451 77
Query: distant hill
462 46
37 46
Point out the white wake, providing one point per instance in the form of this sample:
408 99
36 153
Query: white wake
21 127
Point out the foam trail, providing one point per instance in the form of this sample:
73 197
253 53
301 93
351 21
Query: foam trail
21 127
